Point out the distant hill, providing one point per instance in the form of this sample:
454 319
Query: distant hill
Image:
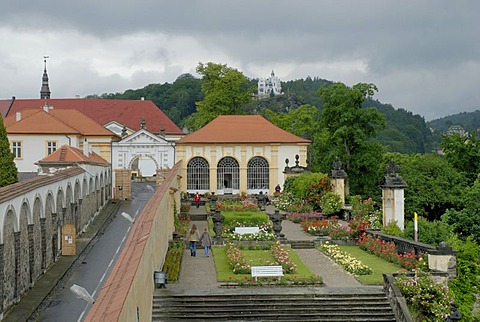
405 132
468 120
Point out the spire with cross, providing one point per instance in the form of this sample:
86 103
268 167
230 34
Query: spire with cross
45 91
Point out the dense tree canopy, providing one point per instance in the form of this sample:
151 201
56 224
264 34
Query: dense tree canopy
302 121
176 100
226 92
463 153
433 184
466 222
346 130
8 169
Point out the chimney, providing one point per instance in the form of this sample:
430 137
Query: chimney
142 98
45 107
85 148
18 116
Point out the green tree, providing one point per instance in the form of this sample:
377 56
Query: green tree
463 153
226 92
346 132
466 222
302 121
433 184
8 169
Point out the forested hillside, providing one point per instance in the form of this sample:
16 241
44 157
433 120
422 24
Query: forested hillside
469 121
404 132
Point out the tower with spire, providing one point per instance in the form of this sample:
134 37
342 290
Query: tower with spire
45 91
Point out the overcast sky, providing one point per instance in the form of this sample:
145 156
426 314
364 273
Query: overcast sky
424 56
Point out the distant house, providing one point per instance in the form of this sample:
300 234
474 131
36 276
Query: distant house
456 129
238 153
35 134
269 86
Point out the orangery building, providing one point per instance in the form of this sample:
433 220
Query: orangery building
237 154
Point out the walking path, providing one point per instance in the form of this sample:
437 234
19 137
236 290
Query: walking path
198 273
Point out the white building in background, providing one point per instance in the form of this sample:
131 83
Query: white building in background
269 86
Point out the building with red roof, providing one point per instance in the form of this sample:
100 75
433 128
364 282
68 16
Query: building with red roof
238 153
35 134
112 114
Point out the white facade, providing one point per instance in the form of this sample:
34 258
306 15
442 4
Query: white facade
35 148
143 152
269 85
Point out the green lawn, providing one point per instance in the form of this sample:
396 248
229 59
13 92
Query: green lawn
378 265
254 258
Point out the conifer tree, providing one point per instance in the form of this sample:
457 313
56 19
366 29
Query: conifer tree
8 169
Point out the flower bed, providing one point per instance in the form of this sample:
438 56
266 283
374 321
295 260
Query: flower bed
236 260
427 300
298 217
231 205
388 251
173 261
239 264
321 227
349 263
283 258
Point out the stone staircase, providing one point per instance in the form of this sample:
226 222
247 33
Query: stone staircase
302 244
299 304
197 217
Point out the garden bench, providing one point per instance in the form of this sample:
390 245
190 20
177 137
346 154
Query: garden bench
247 230
267 271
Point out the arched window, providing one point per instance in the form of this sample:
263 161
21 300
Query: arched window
228 174
257 174
198 174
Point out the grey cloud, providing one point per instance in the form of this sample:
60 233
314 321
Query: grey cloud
400 42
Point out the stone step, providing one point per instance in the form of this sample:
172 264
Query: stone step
198 217
302 244
276 315
371 306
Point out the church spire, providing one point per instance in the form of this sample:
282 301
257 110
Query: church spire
45 91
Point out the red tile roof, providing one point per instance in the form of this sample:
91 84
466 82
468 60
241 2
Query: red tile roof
241 129
68 154
4 106
54 122
127 112
17 189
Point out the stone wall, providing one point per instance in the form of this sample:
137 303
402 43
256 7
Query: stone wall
131 280
29 243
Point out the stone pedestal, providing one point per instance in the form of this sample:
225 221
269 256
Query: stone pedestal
444 259
338 178
123 184
393 201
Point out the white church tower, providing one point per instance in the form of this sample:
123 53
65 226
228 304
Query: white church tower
269 86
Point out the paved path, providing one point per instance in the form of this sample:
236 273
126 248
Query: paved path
198 273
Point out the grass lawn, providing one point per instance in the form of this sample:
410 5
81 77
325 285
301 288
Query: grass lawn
378 265
254 258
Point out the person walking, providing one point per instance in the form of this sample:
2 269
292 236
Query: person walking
196 198
193 239
206 241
